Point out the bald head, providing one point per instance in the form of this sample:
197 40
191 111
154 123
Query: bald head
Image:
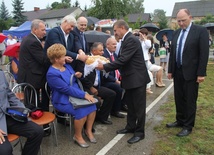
111 44
82 24
184 18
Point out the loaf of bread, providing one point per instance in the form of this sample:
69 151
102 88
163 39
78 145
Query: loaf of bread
92 59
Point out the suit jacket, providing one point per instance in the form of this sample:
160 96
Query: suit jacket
7 99
195 53
56 35
79 41
131 63
33 64
107 55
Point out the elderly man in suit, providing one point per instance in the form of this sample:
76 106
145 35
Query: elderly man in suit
187 66
62 34
33 64
134 79
30 130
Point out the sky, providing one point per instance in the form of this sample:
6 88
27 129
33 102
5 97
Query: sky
149 5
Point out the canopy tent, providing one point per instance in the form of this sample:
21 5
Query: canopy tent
20 32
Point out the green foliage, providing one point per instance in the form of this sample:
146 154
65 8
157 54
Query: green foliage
104 9
209 18
5 24
76 4
18 17
4 14
63 5
160 15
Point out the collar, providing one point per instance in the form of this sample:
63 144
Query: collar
36 37
66 35
124 35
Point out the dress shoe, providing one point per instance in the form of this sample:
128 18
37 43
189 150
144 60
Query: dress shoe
47 133
84 145
135 139
184 132
117 114
92 140
106 122
173 125
124 108
124 131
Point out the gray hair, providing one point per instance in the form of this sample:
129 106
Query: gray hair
35 23
69 19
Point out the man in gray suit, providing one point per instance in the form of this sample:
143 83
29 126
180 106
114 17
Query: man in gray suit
187 66
134 79
30 130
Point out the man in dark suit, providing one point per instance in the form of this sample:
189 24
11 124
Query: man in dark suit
80 40
187 66
93 83
134 79
62 34
33 64
114 78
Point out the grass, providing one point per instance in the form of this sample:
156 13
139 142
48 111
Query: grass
201 140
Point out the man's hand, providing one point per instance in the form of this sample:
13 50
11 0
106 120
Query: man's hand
78 74
100 66
2 133
200 79
80 51
94 91
68 59
82 57
169 76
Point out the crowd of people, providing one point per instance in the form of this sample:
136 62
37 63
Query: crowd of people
130 75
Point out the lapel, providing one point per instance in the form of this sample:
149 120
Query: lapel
190 36
62 36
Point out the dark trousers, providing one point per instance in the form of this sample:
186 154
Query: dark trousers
118 90
108 97
30 130
186 94
136 116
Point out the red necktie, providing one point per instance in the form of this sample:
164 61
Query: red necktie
117 73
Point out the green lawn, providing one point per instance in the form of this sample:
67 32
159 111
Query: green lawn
201 140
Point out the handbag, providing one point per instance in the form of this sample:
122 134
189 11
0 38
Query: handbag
35 112
78 102
18 113
162 52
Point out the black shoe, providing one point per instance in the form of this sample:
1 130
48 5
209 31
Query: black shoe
173 125
184 132
124 108
47 132
124 131
107 122
135 139
117 114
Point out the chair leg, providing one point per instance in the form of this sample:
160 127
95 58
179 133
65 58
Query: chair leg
55 134
70 127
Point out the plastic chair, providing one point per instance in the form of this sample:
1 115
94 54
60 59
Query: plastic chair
66 116
12 138
29 96
10 79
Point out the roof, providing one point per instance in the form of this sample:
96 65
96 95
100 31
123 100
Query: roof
196 8
31 15
132 18
58 13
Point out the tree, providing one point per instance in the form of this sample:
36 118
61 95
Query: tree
63 5
115 8
76 4
18 17
160 15
207 19
4 14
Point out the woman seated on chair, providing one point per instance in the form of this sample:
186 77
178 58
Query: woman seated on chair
58 78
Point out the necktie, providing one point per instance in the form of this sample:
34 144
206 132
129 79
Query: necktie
117 73
179 55
83 40
98 76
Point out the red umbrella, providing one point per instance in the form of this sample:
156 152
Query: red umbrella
11 50
2 37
